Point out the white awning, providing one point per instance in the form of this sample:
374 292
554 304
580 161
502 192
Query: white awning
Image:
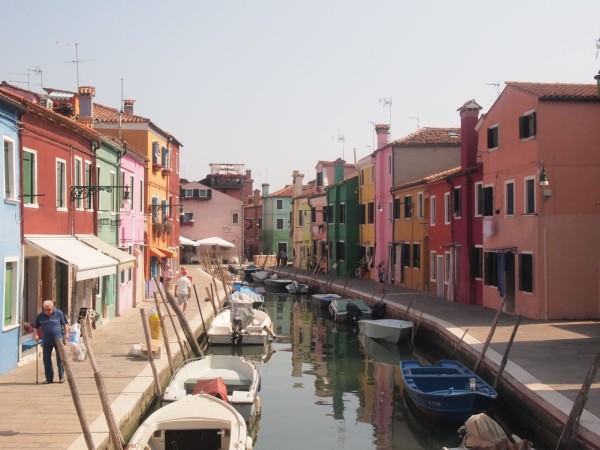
88 263
186 241
215 240
125 259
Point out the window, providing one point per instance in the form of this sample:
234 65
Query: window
456 202
510 198
279 203
488 201
88 182
155 153
329 213
389 164
165 158
61 184
447 208
342 212
416 254
188 218
154 210
492 137
529 196
11 294
371 212
235 218
432 210
362 214
141 195
408 206
319 179
362 177
432 267
526 272
476 262
78 181
479 199
248 223
340 251
279 224
420 205
324 214
491 269
10 185
131 190
313 214
405 255
113 192
396 208
447 267
527 125
29 177
188 193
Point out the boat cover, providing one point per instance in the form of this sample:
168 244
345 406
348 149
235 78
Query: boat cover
482 432
212 386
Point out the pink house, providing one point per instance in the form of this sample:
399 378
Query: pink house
540 193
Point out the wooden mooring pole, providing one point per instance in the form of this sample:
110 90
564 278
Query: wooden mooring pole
458 344
489 338
506 353
157 387
573 421
164 333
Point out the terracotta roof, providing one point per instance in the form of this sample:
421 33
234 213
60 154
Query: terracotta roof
287 191
558 91
428 179
431 136
111 115
338 162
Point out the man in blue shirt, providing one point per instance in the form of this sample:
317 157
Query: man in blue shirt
54 325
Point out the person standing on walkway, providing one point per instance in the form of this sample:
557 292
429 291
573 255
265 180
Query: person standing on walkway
167 277
183 289
54 325
381 276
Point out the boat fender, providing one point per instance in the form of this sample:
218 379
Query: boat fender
249 443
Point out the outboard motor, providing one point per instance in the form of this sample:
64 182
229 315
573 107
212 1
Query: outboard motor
378 311
354 312
236 334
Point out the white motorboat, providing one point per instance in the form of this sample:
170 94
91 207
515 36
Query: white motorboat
196 420
343 309
277 282
388 330
323 300
260 276
297 288
240 324
240 376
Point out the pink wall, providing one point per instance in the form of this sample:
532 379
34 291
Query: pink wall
383 196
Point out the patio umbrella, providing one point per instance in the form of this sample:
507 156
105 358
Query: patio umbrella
215 241
186 241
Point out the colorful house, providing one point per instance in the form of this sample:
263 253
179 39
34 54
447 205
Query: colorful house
276 220
366 213
253 225
10 236
539 148
302 220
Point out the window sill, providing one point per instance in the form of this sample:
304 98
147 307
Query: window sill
11 201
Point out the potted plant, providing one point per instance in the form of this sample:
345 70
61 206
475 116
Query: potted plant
362 270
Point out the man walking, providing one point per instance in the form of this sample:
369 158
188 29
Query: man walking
183 289
54 325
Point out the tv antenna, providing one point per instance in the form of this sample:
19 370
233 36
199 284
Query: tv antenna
75 61
38 71
342 139
417 119
597 47
20 81
387 102
497 87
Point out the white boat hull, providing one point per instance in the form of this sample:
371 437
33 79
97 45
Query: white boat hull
255 333
388 330
185 423
239 375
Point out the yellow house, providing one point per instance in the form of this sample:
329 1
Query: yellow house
367 211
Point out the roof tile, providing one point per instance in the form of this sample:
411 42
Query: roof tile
431 136
558 91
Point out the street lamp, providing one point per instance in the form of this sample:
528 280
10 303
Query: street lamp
82 192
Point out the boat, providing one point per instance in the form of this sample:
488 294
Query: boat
481 431
343 309
297 288
200 418
247 292
388 330
240 324
248 270
276 282
323 300
240 376
260 276
447 390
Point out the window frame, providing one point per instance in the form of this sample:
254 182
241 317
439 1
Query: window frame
528 125
493 137
432 210
529 197
32 196
509 198
15 298
61 191
10 170
447 208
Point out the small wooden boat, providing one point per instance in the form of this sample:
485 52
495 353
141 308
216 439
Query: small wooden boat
481 431
247 292
259 276
240 376
240 324
388 330
323 300
354 309
276 282
195 419
447 390
297 288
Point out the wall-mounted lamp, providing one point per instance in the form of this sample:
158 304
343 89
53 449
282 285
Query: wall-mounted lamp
379 207
81 192
158 207
543 177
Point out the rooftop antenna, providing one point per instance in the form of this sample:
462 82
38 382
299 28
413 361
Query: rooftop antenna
387 101
497 87
373 125
38 71
19 81
597 47
75 61
342 139
417 119
121 109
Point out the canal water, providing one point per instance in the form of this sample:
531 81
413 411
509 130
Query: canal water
325 387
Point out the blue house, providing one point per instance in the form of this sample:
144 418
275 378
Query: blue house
10 237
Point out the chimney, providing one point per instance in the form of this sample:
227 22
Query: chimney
128 106
256 196
265 189
597 78
383 135
86 104
469 116
297 178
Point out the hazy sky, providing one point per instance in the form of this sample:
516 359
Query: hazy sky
275 84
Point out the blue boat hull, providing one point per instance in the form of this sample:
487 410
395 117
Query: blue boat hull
444 390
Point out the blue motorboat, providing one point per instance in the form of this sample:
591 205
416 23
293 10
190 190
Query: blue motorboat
447 390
